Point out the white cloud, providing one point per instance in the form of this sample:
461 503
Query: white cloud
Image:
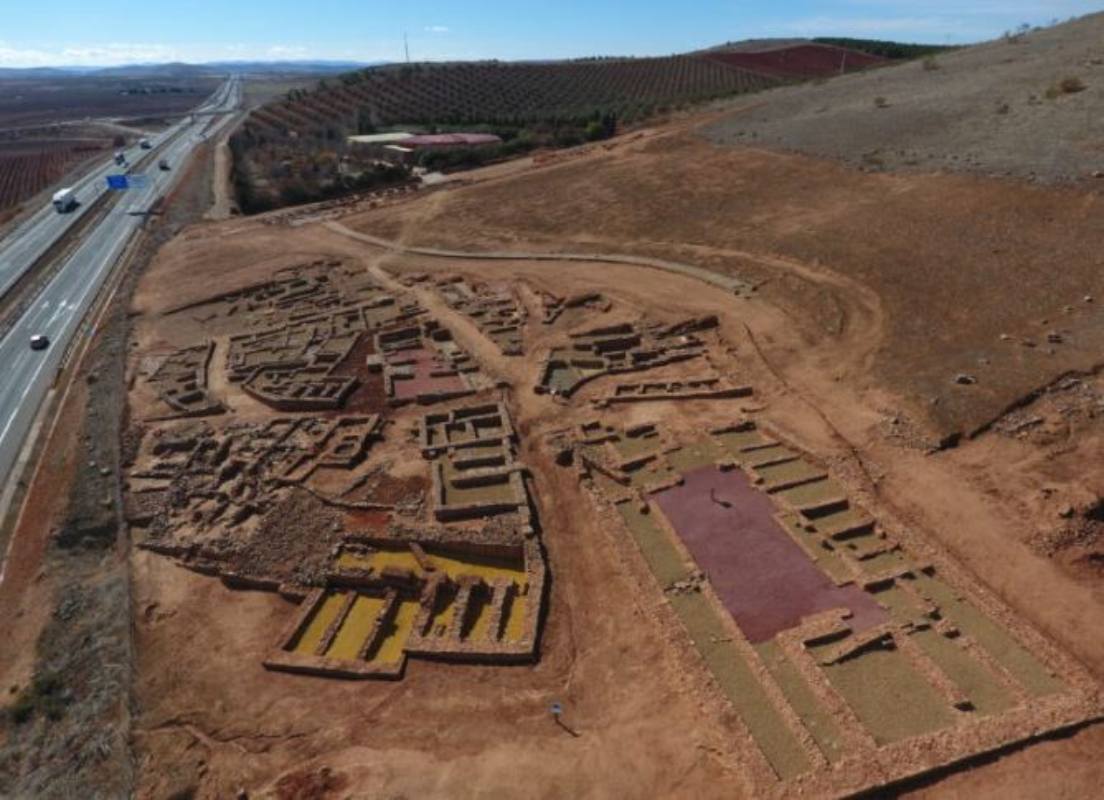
284 51
24 57
115 53
436 29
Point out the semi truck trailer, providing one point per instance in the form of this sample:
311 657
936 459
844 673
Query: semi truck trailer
65 200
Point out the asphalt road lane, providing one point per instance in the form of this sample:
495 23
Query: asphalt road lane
26 375
24 245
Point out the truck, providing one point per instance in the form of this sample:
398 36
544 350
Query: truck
120 158
65 200
145 144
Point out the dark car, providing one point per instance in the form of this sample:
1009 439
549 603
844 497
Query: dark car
163 164
39 342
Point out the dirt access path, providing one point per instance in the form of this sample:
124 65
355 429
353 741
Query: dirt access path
222 189
720 281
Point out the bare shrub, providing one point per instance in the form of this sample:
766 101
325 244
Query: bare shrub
874 159
1070 85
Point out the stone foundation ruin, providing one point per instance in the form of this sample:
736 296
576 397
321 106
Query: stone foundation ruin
617 349
553 306
496 311
459 578
709 387
850 652
850 661
422 363
386 601
474 472
194 478
303 326
449 593
181 383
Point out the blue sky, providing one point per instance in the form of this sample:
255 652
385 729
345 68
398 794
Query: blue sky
100 32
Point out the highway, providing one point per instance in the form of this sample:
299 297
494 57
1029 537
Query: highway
60 309
30 240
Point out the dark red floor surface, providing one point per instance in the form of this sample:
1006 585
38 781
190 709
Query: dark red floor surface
763 577
425 362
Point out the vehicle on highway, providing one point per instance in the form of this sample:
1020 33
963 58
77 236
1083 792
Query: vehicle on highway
65 200
145 144
120 158
163 165
39 342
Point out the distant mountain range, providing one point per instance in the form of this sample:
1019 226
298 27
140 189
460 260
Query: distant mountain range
181 70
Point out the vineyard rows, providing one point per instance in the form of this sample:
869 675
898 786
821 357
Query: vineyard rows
496 93
25 174
295 149
800 61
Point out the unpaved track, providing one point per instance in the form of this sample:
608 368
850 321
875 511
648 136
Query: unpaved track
862 317
721 281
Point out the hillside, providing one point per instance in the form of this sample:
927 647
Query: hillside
506 93
294 149
799 61
894 51
1029 106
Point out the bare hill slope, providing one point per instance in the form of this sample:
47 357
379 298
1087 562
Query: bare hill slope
1029 107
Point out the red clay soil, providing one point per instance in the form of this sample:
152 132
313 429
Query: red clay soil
764 578
801 61
368 397
362 521
425 364
392 490
320 784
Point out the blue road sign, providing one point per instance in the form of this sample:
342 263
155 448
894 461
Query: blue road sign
124 182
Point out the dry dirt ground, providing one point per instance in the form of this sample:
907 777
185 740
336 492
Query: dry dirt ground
928 277
874 293
212 718
1028 106
632 685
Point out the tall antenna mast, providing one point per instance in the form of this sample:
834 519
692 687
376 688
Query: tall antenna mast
406 47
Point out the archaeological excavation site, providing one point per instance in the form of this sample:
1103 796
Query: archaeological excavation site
718 425
385 469
443 563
